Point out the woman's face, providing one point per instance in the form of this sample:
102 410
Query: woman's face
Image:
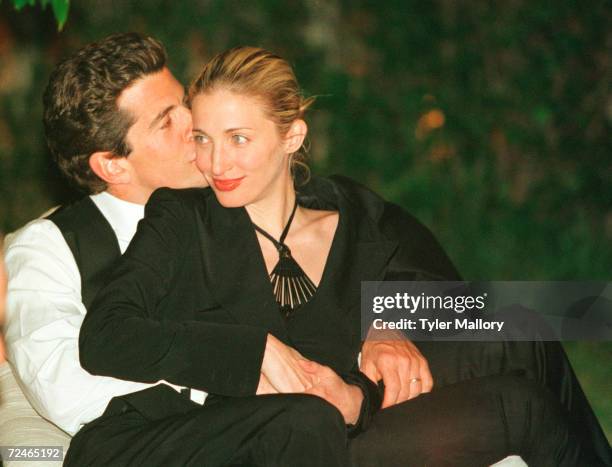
239 149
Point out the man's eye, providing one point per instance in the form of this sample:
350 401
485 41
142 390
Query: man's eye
166 123
200 139
239 139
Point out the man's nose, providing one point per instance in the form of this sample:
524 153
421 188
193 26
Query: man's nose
186 121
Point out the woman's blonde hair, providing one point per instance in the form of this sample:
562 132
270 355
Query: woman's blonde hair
252 71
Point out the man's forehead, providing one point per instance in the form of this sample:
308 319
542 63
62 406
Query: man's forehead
151 94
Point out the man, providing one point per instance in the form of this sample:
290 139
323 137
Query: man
97 126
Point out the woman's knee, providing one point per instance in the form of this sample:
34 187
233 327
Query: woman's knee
524 390
535 421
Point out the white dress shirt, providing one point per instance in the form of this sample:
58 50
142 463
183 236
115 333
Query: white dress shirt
44 315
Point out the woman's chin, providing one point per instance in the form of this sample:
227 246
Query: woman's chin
227 200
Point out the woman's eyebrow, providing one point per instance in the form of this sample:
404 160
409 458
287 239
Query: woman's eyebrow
229 130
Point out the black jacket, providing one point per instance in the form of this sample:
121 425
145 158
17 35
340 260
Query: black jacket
190 301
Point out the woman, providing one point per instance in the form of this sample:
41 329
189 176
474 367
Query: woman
253 288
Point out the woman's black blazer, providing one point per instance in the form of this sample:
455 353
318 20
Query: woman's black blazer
190 301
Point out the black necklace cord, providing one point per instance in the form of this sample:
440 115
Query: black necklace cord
291 286
283 249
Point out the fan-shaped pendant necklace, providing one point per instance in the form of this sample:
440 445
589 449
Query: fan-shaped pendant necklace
291 286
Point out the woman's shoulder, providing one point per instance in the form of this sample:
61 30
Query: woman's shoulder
350 196
319 221
338 192
416 241
374 207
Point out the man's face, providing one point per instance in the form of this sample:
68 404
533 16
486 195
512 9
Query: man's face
163 153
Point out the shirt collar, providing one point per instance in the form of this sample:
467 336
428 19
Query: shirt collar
123 216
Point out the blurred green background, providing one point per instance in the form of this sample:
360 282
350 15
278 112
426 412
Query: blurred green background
490 121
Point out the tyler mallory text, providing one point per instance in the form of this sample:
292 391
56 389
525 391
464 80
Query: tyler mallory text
439 324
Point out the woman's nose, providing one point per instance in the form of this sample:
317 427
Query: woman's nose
220 162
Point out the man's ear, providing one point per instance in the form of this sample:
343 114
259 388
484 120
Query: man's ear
109 167
295 136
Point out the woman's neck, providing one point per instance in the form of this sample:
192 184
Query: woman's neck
272 212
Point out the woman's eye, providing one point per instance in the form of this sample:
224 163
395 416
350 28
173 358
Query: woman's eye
239 139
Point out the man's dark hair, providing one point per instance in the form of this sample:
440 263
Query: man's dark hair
80 114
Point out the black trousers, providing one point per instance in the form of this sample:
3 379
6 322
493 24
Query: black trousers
544 362
277 430
472 423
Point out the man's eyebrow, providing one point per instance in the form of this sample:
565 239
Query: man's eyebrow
161 115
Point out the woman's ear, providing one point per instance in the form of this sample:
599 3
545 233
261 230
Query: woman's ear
109 167
295 136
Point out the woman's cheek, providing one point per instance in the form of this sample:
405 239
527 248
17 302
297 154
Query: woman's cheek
202 160
255 158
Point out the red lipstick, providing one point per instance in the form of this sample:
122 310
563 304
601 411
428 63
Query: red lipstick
227 184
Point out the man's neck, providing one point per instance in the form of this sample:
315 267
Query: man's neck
122 215
129 194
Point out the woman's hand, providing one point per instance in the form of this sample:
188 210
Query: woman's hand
264 386
347 398
281 370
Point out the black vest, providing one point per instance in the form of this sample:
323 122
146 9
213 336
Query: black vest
92 241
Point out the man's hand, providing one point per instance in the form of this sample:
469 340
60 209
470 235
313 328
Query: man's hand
399 363
328 385
281 371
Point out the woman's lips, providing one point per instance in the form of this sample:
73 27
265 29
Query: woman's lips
227 184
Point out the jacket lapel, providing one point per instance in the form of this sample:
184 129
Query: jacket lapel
364 251
365 257
234 267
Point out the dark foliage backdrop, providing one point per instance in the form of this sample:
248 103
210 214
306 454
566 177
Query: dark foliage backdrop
490 122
